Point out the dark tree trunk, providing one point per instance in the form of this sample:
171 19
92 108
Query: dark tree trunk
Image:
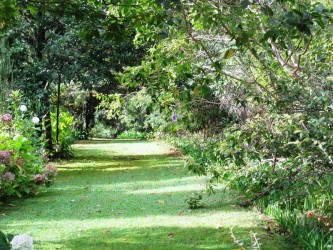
48 132
91 104
47 119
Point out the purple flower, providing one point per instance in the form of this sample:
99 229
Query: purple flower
298 169
174 117
51 171
4 157
8 176
238 153
39 178
7 118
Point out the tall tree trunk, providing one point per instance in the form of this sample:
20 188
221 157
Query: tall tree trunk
48 131
47 118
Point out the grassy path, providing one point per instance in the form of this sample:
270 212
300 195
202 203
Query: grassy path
130 195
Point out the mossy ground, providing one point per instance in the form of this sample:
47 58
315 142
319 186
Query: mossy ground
131 195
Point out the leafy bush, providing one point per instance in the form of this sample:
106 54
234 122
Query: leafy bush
280 160
101 130
22 157
66 134
16 242
132 134
195 201
312 230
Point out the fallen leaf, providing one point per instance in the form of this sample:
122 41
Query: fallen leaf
170 236
161 202
169 194
229 53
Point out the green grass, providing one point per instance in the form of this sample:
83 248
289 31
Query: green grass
124 194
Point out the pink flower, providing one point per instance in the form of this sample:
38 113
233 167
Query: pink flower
310 214
39 178
7 118
8 176
51 171
4 157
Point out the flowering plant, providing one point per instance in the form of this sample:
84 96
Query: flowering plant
22 157
16 242
22 242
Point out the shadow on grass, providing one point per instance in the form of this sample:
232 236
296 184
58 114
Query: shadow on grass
167 238
110 141
133 185
102 201
86 158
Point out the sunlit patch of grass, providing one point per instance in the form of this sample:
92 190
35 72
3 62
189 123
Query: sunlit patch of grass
130 195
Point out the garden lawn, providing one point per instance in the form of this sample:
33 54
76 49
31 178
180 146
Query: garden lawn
131 195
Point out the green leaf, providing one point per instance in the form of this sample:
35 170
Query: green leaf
267 10
304 29
229 53
245 3
320 8
3 238
4 246
10 237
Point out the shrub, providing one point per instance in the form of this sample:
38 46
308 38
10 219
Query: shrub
66 134
22 157
16 242
195 201
132 134
280 160
101 130
312 230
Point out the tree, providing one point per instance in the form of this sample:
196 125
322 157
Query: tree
71 40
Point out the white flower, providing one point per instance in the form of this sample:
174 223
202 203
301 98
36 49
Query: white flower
22 242
35 119
15 138
23 108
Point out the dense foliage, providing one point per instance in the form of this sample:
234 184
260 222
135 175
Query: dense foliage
250 99
243 87
23 162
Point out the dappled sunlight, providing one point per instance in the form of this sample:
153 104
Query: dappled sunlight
113 201
178 188
123 148
188 220
136 186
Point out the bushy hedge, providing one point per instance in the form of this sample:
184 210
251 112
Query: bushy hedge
280 163
23 163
